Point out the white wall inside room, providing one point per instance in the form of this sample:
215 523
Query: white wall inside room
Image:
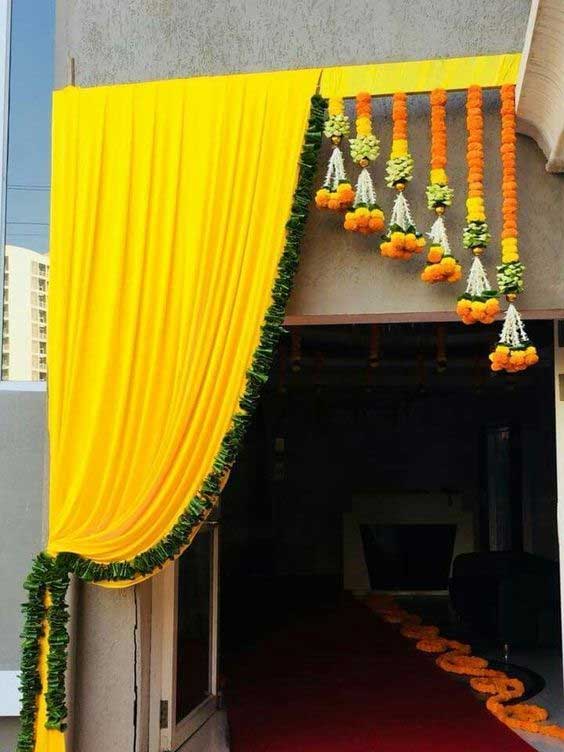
381 508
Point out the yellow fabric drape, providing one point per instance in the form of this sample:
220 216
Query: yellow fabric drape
169 204
47 740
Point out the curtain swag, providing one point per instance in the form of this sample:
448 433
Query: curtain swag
171 269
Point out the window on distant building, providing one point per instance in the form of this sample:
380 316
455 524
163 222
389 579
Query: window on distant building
26 253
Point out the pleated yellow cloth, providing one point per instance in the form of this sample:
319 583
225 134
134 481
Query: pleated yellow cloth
168 220
169 209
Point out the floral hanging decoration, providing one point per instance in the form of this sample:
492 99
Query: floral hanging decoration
337 193
366 216
479 303
514 351
402 239
442 266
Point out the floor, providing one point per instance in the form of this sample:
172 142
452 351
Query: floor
547 663
214 735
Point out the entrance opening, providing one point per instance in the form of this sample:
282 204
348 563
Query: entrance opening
386 459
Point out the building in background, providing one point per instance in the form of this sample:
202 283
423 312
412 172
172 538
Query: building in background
24 332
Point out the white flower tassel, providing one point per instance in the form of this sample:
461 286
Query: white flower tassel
365 193
366 216
478 282
514 352
438 236
337 193
335 170
401 214
513 332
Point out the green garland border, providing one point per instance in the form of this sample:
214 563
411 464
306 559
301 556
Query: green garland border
52 573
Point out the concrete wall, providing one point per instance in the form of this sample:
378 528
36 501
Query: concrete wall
22 452
115 42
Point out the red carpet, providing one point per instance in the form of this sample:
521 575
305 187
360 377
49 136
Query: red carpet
343 681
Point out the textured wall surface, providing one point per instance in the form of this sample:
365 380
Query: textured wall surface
139 40
22 447
105 670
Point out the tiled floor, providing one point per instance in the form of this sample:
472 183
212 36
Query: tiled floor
211 737
547 663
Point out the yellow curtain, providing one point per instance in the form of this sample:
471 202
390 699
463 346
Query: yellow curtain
169 209
168 220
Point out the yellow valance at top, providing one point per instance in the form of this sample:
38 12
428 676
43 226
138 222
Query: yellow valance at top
177 209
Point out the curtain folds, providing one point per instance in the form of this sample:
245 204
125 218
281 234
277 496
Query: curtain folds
168 220
177 210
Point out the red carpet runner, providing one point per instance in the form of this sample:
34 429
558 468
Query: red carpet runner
343 681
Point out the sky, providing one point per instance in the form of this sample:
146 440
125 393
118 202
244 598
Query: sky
29 123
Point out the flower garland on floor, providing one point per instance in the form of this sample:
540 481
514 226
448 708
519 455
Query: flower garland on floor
456 658
441 264
402 239
337 193
479 303
366 217
514 351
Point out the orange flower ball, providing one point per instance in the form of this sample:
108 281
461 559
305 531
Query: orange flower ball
364 220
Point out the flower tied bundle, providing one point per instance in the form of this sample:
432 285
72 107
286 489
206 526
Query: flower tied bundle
402 239
514 351
366 217
337 193
479 303
441 264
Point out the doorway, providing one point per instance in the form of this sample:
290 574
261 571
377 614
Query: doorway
364 438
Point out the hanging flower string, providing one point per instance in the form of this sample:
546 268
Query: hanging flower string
402 239
439 194
514 351
337 193
441 264
479 303
366 217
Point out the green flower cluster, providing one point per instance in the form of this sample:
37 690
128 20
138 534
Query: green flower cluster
476 234
365 147
510 277
337 125
399 170
439 195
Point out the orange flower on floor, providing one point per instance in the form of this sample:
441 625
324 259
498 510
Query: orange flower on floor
456 658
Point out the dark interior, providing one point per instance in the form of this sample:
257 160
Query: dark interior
386 417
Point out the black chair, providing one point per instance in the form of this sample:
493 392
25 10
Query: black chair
508 597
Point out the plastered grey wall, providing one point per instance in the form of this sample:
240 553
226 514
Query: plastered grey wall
138 40
22 452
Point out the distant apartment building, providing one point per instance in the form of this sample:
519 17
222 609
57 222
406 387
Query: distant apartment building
24 331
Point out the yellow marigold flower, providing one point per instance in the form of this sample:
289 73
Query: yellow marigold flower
438 175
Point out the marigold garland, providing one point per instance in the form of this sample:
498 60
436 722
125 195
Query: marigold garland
514 352
366 217
479 303
402 239
441 266
337 192
439 194
456 658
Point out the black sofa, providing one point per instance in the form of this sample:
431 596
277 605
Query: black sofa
509 597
